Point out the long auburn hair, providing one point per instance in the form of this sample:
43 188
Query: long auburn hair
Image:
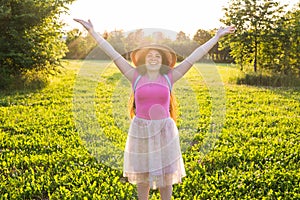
165 68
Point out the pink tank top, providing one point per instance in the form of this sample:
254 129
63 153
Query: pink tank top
152 98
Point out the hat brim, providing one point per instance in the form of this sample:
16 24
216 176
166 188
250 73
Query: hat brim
168 53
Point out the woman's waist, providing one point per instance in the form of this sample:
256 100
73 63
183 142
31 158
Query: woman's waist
149 117
153 112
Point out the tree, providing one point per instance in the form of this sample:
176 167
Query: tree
116 39
134 39
203 36
73 35
289 42
79 46
182 45
30 34
220 53
182 37
254 21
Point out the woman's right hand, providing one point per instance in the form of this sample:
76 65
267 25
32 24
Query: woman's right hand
87 24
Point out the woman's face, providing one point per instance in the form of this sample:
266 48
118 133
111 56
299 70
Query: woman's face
153 60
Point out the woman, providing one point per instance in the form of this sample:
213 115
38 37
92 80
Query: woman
152 157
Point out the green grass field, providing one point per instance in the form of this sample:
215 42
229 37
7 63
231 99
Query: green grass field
65 141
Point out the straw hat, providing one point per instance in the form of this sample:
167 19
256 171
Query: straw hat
141 51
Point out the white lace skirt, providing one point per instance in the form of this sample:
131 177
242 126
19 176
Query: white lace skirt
152 153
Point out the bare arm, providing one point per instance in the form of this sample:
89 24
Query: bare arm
198 53
120 62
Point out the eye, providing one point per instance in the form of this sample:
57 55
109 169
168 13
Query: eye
153 55
149 56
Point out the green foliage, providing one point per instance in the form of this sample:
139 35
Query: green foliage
30 35
289 26
44 157
266 37
27 79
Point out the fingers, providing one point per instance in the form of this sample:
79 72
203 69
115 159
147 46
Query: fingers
231 29
90 22
225 30
80 21
77 20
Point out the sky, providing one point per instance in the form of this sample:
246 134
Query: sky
184 15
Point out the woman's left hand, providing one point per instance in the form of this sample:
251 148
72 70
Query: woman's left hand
224 31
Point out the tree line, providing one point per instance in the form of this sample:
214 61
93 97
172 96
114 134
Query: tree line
83 46
267 37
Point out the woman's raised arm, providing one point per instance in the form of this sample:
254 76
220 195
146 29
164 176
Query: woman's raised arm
120 62
198 53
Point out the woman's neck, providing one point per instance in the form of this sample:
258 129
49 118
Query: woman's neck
152 75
